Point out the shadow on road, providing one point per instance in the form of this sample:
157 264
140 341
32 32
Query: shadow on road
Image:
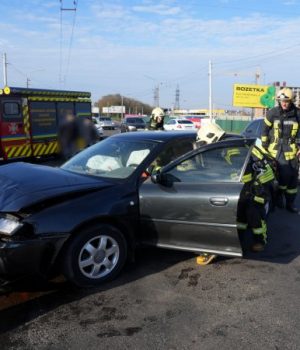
35 297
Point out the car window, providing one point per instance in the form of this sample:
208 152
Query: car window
216 165
259 128
171 121
110 158
171 152
251 129
185 122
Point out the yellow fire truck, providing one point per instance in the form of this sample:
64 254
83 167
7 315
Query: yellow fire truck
30 118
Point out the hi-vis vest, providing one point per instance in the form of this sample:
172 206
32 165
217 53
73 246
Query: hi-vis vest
281 131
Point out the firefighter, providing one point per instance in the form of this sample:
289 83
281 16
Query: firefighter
280 136
157 119
255 195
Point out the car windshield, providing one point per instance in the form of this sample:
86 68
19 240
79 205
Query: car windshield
182 121
110 158
135 120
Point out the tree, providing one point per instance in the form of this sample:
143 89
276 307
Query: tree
132 106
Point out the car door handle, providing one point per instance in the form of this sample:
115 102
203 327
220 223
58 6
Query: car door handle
218 201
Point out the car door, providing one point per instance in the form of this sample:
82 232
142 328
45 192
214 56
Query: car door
193 205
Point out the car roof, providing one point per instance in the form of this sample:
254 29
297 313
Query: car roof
163 136
159 136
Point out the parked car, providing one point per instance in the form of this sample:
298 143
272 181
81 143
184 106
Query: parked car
85 218
179 124
132 124
196 120
107 123
98 127
254 128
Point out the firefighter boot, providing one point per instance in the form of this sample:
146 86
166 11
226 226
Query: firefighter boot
205 258
259 244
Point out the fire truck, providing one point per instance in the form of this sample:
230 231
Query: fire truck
30 118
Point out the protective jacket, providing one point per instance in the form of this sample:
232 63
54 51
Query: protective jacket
156 123
280 134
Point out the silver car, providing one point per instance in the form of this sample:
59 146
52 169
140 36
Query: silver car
107 123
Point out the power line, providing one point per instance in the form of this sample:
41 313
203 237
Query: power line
72 36
266 55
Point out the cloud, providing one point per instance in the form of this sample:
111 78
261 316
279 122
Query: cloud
289 2
110 11
160 9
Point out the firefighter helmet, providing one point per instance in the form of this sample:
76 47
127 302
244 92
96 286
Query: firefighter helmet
209 133
285 94
157 113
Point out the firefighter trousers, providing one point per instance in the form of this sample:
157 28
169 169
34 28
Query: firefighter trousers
251 214
288 180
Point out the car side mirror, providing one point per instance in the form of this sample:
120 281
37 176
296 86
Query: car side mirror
164 179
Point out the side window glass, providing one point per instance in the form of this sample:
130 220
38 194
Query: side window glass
12 112
251 129
217 165
259 129
171 152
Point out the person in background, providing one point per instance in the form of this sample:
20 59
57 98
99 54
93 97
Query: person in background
280 137
157 119
88 132
67 136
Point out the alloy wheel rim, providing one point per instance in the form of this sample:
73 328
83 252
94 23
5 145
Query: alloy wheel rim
98 257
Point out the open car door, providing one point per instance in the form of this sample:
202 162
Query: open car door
191 205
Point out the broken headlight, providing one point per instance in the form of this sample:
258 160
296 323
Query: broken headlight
9 224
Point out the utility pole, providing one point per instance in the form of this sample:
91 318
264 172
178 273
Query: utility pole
4 69
156 96
27 82
256 81
177 97
122 108
210 89
257 76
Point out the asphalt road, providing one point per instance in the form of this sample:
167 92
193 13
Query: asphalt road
166 301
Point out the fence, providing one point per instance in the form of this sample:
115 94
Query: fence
233 124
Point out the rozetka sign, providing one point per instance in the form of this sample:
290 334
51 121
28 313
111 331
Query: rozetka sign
255 96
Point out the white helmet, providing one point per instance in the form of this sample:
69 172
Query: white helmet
285 94
209 133
157 113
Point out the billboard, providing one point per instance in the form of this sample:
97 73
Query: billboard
255 96
113 109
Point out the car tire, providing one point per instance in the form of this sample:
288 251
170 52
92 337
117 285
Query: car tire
94 256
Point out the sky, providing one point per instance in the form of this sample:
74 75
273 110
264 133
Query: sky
131 47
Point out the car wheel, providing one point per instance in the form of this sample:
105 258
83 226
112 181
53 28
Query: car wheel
94 256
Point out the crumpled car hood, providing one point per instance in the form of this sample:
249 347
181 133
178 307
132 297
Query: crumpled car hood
23 184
